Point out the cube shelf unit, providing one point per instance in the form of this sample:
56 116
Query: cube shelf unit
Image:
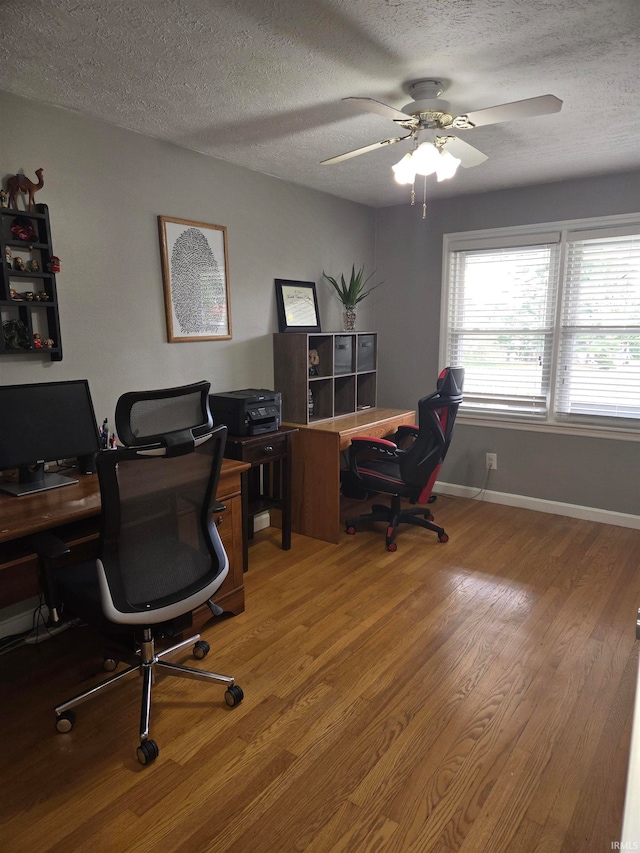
346 375
37 313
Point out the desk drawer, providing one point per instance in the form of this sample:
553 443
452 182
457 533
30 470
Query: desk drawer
258 453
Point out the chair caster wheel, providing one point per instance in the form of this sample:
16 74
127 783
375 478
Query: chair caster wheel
428 516
392 546
443 537
201 649
233 696
110 664
147 751
65 721
351 530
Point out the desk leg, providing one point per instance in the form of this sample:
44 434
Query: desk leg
286 496
244 494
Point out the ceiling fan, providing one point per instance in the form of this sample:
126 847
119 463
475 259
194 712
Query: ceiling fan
427 113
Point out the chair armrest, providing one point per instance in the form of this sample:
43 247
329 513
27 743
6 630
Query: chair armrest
406 430
383 446
47 546
404 435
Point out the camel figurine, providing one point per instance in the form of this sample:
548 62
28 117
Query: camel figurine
22 184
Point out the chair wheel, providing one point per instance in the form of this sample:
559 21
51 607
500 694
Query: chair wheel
428 516
201 649
147 751
234 695
443 537
110 664
351 530
65 721
392 546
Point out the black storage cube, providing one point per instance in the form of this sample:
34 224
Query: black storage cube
343 354
366 352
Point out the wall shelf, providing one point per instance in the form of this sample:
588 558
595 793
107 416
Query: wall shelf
37 315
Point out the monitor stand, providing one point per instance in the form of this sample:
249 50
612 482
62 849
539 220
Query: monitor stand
32 480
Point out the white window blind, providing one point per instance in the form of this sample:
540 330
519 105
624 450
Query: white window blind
598 374
501 316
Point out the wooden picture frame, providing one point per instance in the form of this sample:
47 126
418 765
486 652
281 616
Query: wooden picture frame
297 304
195 275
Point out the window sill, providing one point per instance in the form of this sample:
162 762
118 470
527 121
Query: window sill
590 431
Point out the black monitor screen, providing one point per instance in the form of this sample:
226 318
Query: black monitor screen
45 422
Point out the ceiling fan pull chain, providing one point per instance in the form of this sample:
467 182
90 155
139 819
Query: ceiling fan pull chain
413 192
424 199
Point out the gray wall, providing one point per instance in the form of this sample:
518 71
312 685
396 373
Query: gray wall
593 472
105 186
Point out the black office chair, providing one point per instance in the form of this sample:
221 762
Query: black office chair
406 464
160 552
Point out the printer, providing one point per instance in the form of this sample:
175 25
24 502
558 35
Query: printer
252 411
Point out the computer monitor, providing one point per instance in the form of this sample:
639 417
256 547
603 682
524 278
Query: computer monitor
44 422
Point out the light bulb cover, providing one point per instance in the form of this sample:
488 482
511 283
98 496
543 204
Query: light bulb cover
404 171
447 165
426 159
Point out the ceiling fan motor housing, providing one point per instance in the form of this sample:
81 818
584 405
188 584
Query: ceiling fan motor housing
426 106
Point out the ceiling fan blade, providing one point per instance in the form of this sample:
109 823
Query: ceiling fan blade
358 151
543 105
371 106
467 154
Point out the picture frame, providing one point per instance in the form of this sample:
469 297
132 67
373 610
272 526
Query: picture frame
297 304
195 276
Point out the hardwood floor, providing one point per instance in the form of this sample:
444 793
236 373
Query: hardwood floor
471 696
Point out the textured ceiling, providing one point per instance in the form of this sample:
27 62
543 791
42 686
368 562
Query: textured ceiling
260 82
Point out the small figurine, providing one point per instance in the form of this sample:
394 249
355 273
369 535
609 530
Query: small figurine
44 297
15 295
314 361
37 341
54 264
4 199
18 264
33 265
113 441
104 434
22 184
28 295
48 343
8 256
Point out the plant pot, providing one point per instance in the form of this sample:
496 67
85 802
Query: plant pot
349 319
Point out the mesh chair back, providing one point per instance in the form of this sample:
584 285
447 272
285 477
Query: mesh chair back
144 417
161 553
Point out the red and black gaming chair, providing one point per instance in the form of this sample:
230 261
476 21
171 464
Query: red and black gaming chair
406 464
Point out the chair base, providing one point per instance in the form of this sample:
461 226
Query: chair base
149 662
394 515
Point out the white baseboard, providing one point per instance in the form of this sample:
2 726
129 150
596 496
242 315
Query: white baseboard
588 513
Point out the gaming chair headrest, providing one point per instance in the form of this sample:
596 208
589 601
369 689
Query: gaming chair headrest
450 382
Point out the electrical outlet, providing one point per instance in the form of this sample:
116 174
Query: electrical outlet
492 461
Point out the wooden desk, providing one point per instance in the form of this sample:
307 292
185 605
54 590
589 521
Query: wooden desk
73 514
267 484
316 466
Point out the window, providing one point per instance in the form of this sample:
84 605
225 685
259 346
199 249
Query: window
546 323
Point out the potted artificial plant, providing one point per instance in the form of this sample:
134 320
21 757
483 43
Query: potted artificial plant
352 293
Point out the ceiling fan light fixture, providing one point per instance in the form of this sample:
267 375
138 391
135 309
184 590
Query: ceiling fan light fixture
426 159
404 170
447 165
